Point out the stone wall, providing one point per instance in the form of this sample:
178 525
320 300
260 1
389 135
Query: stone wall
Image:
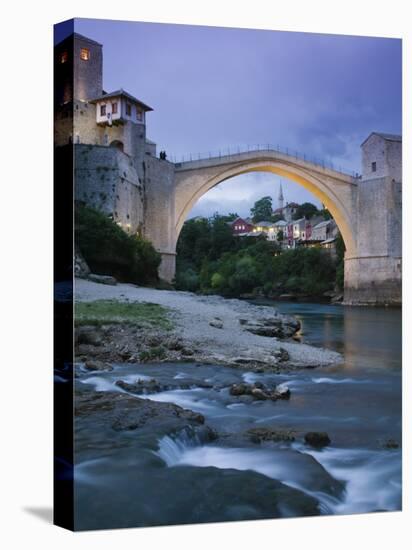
106 179
159 225
374 275
373 281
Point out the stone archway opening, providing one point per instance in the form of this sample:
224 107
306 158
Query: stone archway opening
117 144
333 199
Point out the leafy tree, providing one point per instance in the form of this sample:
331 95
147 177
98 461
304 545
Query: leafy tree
325 214
262 210
280 236
211 260
108 250
340 267
306 210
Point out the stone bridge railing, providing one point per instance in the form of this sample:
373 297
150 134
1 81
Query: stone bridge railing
229 153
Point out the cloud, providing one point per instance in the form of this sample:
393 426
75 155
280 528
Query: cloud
213 88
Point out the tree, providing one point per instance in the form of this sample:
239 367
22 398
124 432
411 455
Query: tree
108 250
325 213
340 267
262 210
280 236
306 210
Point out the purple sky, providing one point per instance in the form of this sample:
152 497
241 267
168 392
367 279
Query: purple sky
216 87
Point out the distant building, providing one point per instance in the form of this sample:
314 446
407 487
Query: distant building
324 230
241 226
287 212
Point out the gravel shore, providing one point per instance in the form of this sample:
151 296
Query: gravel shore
192 314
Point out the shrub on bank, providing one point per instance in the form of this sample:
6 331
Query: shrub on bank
108 250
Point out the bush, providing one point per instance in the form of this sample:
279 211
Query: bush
108 250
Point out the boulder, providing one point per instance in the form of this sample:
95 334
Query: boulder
282 391
88 335
260 392
97 365
317 439
216 323
141 386
390 444
102 279
257 435
238 389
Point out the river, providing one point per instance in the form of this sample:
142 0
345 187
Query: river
136 478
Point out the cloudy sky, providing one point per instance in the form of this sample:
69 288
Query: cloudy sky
214 88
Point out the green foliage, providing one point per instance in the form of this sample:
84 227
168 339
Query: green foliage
101 312
109 250
340 253
305 210
262 210
211 260
325 214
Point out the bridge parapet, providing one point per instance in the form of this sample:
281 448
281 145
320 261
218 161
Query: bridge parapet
203 160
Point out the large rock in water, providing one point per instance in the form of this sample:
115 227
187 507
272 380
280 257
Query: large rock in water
276 327
260 392
317 439
122 412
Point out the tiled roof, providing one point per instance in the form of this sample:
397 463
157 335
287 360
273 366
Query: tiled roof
118 93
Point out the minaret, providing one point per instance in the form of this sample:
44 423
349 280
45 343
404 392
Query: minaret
280 197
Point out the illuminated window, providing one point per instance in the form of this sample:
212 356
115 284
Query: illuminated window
102 110
114 108
85 54
128 109
63 57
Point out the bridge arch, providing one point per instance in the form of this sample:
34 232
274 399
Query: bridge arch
334 191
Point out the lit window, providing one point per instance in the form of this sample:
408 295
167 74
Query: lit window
114 108
128 109
102 110
85 54
373 166
63 57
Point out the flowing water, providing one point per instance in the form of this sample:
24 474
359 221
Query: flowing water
139 478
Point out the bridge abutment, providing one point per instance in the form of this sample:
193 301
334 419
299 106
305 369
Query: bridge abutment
373 281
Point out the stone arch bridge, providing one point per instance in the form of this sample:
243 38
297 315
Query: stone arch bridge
366 210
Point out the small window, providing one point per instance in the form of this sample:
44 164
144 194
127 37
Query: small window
63 58
139 114
85 54
114 108
373 166
102 110
128 109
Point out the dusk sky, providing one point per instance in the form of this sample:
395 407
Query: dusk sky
214 88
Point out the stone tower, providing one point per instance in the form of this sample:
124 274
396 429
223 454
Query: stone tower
280 197
374 274
78 69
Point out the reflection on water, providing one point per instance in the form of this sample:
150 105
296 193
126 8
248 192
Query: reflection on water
367 337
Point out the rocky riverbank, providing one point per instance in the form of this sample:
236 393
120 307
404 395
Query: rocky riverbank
197 329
